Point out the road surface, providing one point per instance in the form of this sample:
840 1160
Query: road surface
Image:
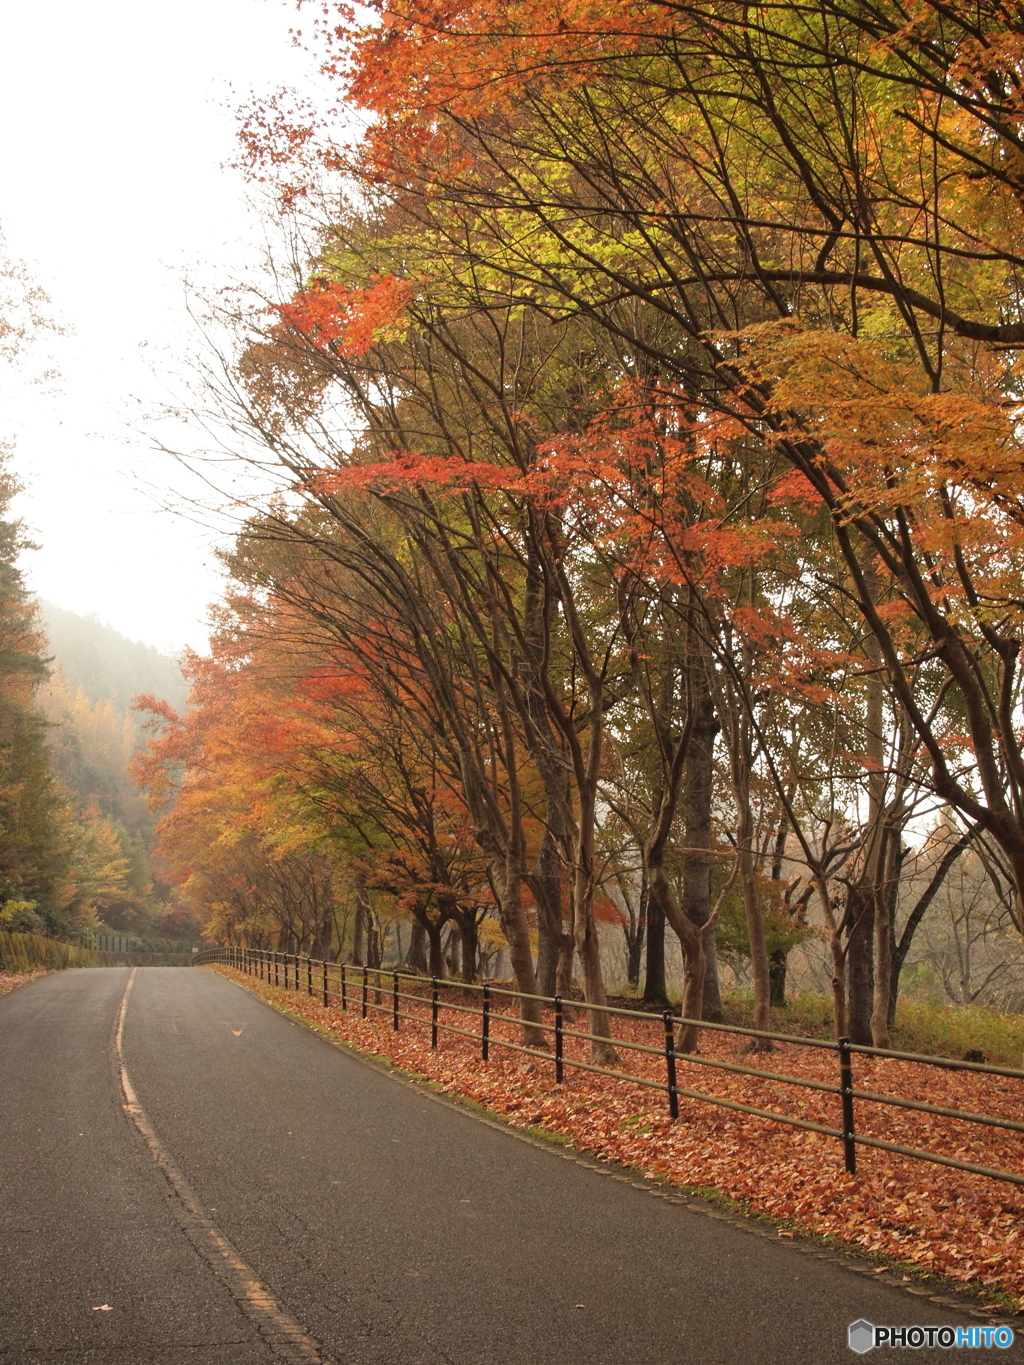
265 1196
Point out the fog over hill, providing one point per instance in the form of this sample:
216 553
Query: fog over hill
92 736
105 665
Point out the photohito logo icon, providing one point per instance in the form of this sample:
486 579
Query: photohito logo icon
863 1336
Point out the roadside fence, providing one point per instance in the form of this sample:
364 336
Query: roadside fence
415 1000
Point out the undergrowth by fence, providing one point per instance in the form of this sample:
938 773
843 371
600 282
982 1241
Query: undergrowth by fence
105 959
477 1013
24 952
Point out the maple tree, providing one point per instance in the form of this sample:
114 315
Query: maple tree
649 480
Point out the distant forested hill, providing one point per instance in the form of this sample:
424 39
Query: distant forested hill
105 665
93 733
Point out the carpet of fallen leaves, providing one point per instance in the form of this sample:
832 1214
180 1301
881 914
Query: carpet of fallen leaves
947 1222
8 980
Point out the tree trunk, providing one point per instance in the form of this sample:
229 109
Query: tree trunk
416 958
777 977
734 718
655 985
635 950
435 965
515 927
691 941
602 1052
470 947
546 885
374 943
359 930
899 950
860 963
754 912
548 947
697 795
452 954
712 982
885 915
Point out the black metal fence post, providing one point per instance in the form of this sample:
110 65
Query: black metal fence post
433 1012
344 988
485 1024
559 1040
324 964
309 975
846 1092
394 1001
670 1064
366 987
277 980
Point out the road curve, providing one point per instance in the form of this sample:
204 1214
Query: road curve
390 1227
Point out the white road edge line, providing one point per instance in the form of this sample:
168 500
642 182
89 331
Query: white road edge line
280 1331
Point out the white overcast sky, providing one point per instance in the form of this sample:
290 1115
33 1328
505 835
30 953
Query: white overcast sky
117 123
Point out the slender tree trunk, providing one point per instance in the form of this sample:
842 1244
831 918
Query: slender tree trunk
691 941
736 727
635 946
697 796
777 964
712 981
870 964
359 931
885 913
602 1052
838 984
374 943
547 889
515 926
754 911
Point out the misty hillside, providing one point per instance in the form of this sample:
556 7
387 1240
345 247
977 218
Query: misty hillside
105 665
92 737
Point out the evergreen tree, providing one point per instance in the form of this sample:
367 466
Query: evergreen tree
40 881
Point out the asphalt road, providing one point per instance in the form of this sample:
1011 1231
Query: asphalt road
390 1226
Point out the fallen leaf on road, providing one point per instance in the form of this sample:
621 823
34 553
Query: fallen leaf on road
103 1308
957 1224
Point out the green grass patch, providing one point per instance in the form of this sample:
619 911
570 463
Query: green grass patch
921 1026
26 952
